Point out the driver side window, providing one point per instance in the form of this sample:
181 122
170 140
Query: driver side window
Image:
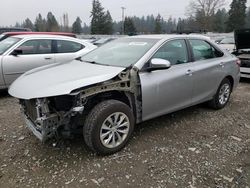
174 51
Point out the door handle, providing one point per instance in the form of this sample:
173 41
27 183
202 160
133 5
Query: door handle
189 72
48 58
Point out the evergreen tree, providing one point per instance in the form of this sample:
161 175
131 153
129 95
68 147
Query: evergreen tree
170 25
129 27
86 29
77 26
108 26
202 20
158 24
248 18
146 25
220 18
98 18
40 23
237 15
28 24
117 27
18 24
180 26
52 24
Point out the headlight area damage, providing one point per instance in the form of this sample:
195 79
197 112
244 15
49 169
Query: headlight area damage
65 115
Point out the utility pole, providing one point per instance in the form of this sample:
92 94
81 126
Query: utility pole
123 9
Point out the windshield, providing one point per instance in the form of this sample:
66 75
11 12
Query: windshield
227 41
122 52
7 43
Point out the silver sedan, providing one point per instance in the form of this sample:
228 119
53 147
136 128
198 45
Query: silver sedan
124 82
21 53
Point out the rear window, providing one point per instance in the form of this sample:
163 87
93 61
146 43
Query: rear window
203 50
64 46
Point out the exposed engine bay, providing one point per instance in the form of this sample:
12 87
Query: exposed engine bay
61 115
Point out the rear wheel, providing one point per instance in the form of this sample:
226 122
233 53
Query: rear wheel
222 95
108 127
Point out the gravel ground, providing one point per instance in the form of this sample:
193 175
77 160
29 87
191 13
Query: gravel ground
195 147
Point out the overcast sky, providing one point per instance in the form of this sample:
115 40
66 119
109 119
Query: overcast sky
12 11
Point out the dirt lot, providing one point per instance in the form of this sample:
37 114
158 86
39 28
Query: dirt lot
195 147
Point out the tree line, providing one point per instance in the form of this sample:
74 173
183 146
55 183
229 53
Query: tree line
205 15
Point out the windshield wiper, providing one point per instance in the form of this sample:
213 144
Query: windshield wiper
79 59
92 62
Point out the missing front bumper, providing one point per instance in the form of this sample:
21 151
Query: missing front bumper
43 129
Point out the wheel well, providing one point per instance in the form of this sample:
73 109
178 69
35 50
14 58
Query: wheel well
126 98
230 78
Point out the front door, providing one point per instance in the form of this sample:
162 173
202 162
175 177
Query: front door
165 91
33 54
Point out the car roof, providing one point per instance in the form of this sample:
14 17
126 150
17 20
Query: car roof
170 36
43 36
37 33
53 37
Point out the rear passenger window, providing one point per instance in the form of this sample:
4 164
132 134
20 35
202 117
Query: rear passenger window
174 51
68 46
203 50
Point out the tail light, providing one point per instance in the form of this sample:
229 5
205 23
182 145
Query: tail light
238 62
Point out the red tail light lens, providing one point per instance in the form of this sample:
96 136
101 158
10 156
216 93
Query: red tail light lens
238 62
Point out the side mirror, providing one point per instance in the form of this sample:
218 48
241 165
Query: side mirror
158 64
17 52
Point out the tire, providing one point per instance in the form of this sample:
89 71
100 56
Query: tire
108 127
220 100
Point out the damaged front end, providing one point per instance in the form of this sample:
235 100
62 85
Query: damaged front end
45 116
50 117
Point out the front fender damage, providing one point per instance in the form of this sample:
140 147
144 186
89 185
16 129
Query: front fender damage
62 115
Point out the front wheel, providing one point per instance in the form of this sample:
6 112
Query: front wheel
108 127
222 95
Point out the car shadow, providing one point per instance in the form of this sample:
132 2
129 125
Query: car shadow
4 93
245 80
170 120
141 131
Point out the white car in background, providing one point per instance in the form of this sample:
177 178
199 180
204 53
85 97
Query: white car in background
21 53
228 43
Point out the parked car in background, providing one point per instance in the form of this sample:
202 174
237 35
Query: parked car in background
13 29
242 41
8 34
21 53
228 44
126 81
218 40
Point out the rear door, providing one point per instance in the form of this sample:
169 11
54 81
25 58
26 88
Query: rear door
164 91
208 69
35 53
66 51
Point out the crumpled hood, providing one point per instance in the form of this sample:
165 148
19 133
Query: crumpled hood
60 79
